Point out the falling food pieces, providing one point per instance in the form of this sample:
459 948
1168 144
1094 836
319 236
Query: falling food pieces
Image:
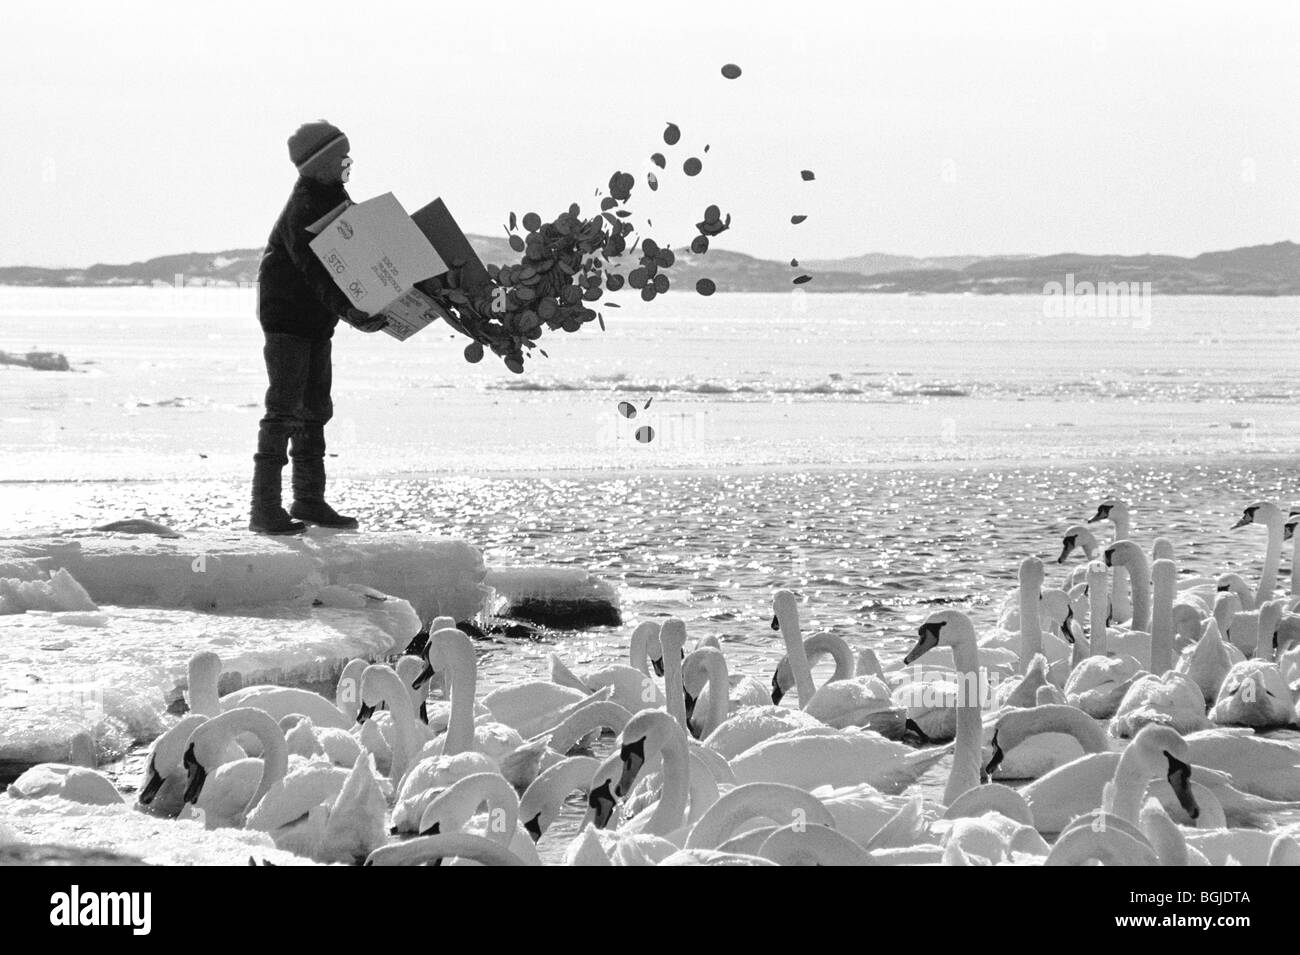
802 279
532 221
652 181
658 160
516 243
672 134
731 71
513 221
645 434
473 353
807 175
627 409
692 166
700 244
794 263
795 220
706 287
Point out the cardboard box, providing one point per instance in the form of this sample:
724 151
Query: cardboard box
438 226
376 254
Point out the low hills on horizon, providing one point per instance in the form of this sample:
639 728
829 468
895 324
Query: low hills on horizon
1253 270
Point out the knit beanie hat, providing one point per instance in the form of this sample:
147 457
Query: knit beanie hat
314 143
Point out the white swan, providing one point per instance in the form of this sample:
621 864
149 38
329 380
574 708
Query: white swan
450 651
1274 520
1077 787
276 701
456 810
1070 730
76 780
1254 694
225 792
1171 699
459 845
1117 512
543 801
853 695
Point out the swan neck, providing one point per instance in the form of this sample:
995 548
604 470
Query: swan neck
462 684
1031 630
794 650
670 813
674 691
965 772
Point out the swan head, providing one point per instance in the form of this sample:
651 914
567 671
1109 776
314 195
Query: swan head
1111 509
166 756
1055 608
206 747
1288 529
453 808
1032 571
601 798
378 682
943 628
447 645
645 734
1261 512
1077 536
672 638
1161 750
785 609
542 801
697 670
1125 553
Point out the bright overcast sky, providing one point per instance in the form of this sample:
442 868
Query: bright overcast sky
129 130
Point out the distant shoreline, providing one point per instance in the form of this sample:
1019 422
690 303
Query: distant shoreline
1262 271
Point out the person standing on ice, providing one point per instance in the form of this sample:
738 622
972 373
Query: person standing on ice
298 306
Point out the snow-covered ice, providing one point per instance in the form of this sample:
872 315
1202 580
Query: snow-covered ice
218 574
117 680
555 596
54 821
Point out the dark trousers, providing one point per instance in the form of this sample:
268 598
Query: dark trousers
297 407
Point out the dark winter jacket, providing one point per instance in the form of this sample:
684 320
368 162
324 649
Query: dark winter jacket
295 292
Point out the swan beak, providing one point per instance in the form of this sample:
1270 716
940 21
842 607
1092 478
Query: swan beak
911 726
1180 778
928 639
1067 545
364 712
418 642
433 830
425 676
996 759
1103 512
152 785
658 664
776 624
1242 521
1288 532
690 705
534 827
632 756
602 803
195 776
424 712
1108 556
777 693
1065 626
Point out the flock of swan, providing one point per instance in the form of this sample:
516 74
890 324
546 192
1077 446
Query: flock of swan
1126 702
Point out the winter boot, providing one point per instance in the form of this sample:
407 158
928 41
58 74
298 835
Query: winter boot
268 515
309 481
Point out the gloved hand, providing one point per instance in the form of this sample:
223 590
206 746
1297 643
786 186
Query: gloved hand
366 323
